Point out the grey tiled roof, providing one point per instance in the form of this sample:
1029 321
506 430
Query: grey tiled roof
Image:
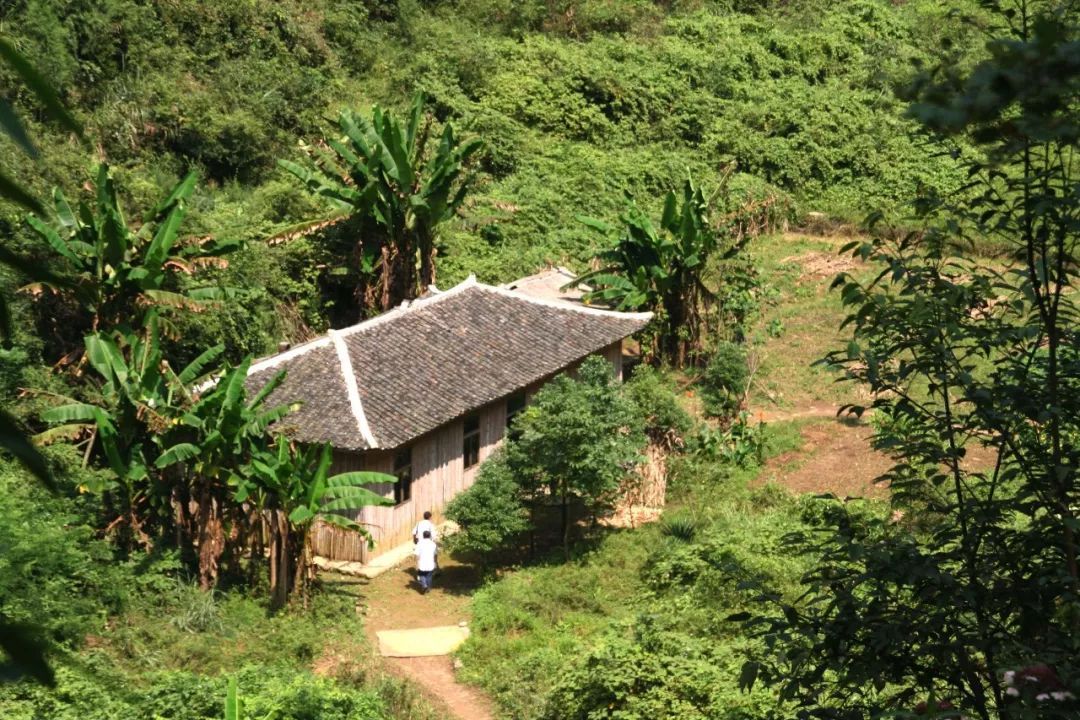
416 368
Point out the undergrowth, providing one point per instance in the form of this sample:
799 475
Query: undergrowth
136 639
636 622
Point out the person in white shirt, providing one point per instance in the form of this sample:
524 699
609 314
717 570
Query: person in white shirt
423 526
425 552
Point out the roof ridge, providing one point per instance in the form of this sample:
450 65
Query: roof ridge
562 304
408 306
277 359
352 389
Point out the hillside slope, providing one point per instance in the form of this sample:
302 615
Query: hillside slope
579 101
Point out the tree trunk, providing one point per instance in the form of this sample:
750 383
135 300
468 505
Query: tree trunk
211 538
676 348
304 567
427 261
565 524
280 554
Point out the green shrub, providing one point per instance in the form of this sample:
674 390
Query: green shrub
679 527
654 395
54 572
741 443
723 381
650 676
490 514
94 692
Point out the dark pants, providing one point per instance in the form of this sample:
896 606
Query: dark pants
424 578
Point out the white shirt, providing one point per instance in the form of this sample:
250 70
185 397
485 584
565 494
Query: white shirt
425 555
418 531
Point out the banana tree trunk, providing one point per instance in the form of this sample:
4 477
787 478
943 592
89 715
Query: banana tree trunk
211 537
280 559
427 261
305 566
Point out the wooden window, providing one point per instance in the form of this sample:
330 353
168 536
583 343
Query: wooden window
403 473
470 444
514 405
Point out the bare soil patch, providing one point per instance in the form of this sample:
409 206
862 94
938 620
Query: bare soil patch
835 457
820 265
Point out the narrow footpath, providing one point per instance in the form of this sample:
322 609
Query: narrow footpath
394 603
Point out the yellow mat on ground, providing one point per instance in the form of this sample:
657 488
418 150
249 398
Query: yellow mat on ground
421 642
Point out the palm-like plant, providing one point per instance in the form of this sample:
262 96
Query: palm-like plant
292 488
209 448
111 270
383 175
203 463
662 268
139 400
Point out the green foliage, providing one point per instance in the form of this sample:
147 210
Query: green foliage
723 382
187 453
977 574
25 654
110 272
740 443
649 675
54 571
490 514
662 269
266 692
578 102
679 527
395 191
141 400
635 626
577 438
294 487
653 394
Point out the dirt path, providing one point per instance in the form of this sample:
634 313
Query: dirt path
835 456
393 603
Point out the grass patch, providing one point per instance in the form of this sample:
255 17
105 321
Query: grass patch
800 325
169 657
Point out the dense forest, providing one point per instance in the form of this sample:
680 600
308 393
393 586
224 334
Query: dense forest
238 175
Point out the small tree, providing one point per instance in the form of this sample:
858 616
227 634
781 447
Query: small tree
578 438
662 267
290 488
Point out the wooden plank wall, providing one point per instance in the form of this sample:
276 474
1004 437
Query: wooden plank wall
438 475
613 353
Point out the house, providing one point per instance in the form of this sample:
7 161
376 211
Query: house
426 391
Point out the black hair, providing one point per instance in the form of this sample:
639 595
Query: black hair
427 514
427 534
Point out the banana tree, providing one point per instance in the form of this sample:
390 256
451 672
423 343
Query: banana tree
661 268
139 397
383 175
209 448
292 488
111 271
